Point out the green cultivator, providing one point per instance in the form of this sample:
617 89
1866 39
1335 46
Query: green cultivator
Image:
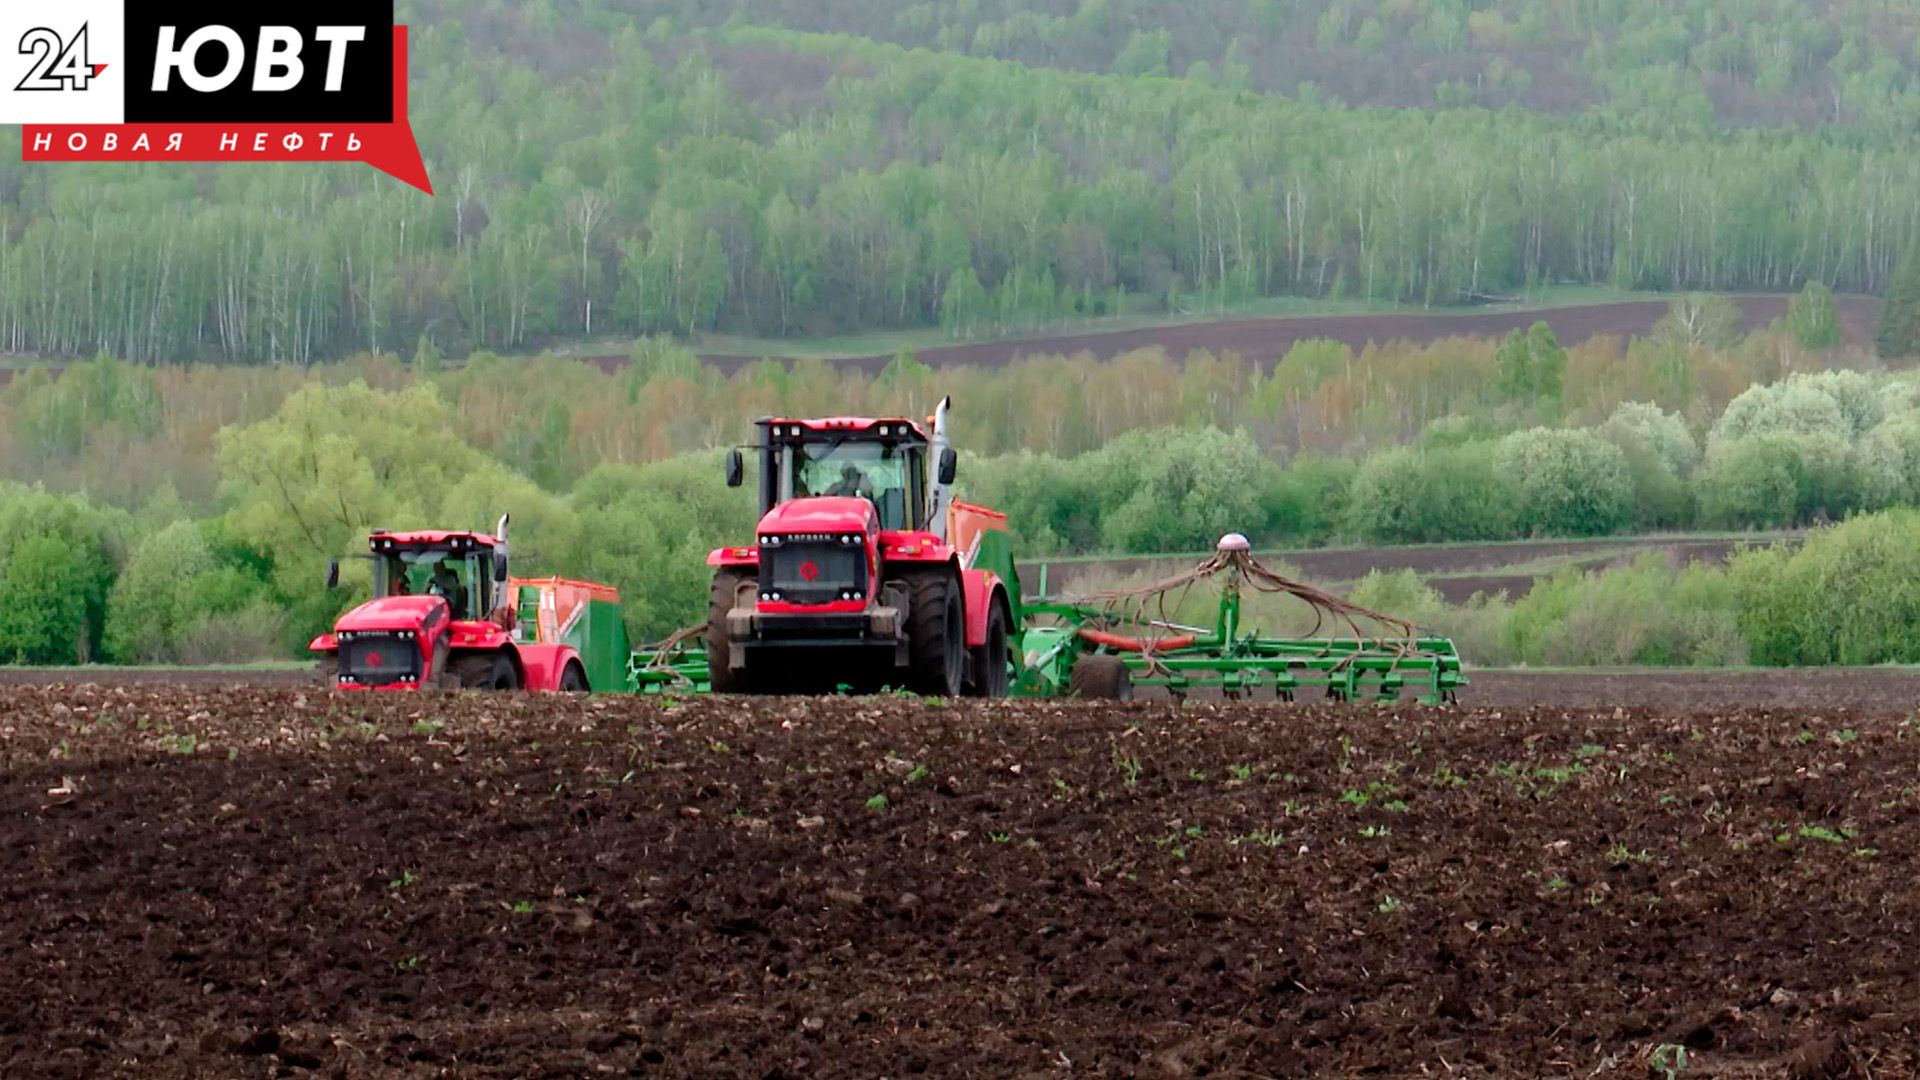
1105 645
1381 659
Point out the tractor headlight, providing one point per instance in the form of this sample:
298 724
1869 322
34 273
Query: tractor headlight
850 539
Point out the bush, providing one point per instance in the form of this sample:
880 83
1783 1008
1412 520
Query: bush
1179 491
1889 462
1660 454
1049 502
251 634
1832 403
153 601
1649 613
43 608
1307 503
1663 435
57 560
1566 483
1814 318
1531 367
1423 497
1850 596
1402 594
1753 482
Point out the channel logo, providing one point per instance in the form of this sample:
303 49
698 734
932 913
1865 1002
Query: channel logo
119 80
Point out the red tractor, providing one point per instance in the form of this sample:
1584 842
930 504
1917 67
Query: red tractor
866 575
442 616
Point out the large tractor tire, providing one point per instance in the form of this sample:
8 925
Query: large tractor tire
936 634
484 671
573 680
1100 678
727 585
990 674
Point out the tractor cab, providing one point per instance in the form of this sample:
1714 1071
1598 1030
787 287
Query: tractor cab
467 570
892 464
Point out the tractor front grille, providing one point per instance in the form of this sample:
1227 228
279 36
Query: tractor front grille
379 659
814 572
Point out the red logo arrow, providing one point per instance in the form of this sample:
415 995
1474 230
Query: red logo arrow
809 572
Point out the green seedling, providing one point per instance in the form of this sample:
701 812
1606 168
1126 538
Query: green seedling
1668 1061
1619 853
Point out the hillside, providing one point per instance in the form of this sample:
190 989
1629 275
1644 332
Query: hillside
1732 63
608 167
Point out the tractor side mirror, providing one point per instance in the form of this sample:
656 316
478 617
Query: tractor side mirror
736 469
333 575
949 466
500 574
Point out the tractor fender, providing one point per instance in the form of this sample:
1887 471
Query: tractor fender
324 643
746 558
542 665
983 591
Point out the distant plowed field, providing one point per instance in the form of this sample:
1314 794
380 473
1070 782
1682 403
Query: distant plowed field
1267 340
1456 571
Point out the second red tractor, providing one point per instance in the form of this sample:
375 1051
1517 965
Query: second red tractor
865 574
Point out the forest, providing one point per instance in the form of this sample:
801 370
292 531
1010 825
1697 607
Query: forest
613 169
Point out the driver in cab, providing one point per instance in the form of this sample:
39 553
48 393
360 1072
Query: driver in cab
853 484
446 584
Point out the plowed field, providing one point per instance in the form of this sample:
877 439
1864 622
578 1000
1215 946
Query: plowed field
205 881
1266 340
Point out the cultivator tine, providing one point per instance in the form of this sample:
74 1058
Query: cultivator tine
671 666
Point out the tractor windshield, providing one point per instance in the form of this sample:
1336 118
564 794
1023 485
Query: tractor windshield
884 474
431 572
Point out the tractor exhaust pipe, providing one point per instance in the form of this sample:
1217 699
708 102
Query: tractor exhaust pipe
942 486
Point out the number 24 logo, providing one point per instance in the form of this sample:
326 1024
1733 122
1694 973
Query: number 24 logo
57 64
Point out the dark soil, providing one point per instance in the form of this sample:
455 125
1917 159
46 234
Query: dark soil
196 677
211 882
1267 340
